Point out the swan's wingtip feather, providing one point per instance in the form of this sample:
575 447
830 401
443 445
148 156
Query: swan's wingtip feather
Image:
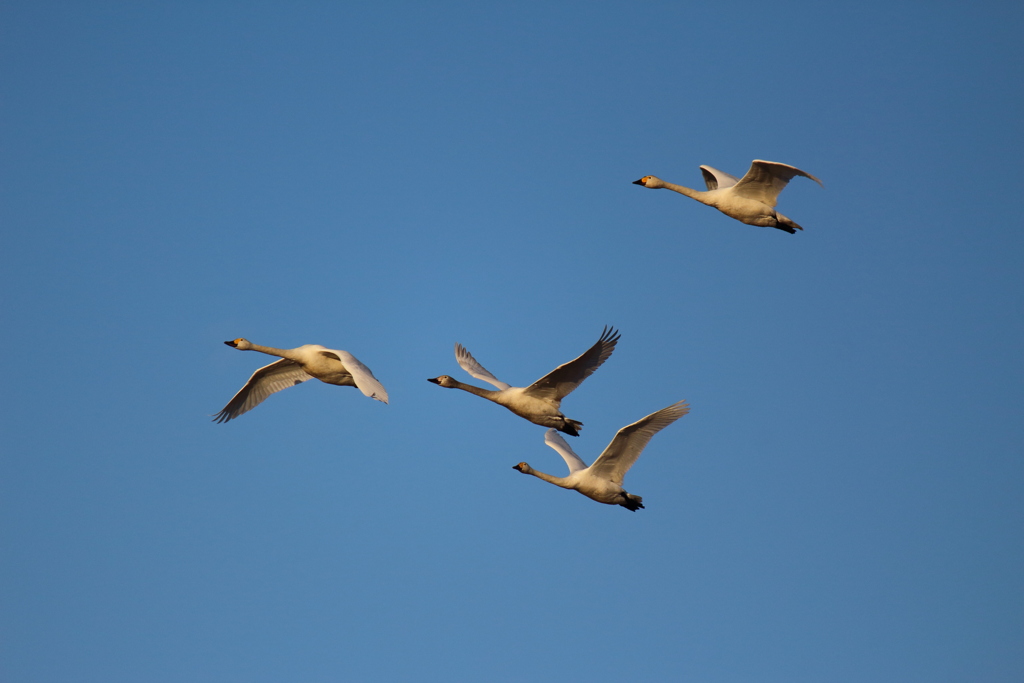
805 174
681 407
610 335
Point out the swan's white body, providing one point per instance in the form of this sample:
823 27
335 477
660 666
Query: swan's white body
602 481
750 199
540 402
296 366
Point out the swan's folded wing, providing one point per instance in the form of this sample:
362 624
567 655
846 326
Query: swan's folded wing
553 439
266 381
561 381
631 440
470 365
364 379
717 180
766 179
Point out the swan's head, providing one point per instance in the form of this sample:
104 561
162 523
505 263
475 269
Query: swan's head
649 181
444 381
239 343
522 467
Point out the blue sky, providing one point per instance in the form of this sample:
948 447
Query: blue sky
843 503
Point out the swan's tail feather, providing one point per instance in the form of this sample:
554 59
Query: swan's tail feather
631 502
571 427
786 224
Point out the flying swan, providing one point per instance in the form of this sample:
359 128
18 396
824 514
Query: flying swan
540 402
295 367
750 199
602 481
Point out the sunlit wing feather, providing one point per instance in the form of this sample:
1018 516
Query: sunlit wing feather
268 380
470 365
553 439
561 381
364 379
631 440
766 179
717 180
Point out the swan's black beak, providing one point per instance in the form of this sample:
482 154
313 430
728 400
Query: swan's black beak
517 467
638 182
232 344
435 380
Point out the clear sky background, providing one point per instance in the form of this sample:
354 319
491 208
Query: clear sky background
843 503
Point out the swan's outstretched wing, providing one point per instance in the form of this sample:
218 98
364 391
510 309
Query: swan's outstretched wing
553 439
364 379
766 179
470 365
266 381
631 440
561 381
717 180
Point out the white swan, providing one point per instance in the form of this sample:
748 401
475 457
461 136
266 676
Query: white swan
295 367
540 403
750 199
602 481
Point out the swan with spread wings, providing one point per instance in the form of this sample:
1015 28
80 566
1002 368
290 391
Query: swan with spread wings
602 481
540 403
296 366
750 199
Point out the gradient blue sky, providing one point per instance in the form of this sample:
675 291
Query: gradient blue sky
843 503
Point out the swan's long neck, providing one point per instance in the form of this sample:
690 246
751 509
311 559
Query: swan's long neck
557 481
271 351
692 194
479 391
